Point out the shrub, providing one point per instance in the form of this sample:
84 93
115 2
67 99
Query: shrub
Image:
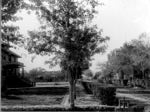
86 87
107 95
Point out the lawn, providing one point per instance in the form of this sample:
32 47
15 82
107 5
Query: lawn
87 100
14 100
43 94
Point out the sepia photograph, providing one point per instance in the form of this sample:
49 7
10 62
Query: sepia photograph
75 55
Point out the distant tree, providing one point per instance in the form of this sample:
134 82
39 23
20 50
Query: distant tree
141 56
88 74
97 75
66 33
132 58
35 73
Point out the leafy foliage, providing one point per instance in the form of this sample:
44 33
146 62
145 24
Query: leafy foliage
34 73
132 58
66 32
9 9
9 32
88 74
106 94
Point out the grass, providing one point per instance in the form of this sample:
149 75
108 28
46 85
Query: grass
46 94
23 100
87 100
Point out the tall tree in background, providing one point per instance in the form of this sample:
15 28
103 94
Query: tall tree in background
67 34
132 58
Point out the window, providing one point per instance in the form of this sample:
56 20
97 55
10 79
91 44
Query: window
9 58
4 57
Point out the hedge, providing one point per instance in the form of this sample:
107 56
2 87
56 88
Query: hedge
105 93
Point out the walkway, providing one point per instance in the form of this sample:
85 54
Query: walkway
143 99
65 101
83 98
138 97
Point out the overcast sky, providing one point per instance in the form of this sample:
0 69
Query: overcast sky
121 20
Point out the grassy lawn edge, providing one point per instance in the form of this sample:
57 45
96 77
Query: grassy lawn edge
56 108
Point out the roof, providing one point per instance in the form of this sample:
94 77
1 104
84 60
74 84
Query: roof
11 53
5 47
5 44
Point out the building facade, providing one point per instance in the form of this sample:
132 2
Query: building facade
12 69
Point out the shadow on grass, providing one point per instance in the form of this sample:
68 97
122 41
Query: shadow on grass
13 97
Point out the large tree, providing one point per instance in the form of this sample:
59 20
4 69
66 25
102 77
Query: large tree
67 34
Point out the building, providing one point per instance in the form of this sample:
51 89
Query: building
12 70
10 64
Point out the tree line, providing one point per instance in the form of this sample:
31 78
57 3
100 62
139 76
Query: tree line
131 61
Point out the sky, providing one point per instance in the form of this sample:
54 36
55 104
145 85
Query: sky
121 20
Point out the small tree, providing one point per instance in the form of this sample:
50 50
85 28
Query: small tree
67 34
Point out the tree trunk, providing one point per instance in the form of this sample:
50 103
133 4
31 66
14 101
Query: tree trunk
143 74
75 89
72 93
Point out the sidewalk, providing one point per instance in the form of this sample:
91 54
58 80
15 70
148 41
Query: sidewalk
133 90
65 101
142 99
85 99
138 97
82 98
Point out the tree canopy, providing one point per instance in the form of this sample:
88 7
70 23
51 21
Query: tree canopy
9 8
132 58
67 34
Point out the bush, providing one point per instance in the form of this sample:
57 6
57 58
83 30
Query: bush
86 87
107 95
